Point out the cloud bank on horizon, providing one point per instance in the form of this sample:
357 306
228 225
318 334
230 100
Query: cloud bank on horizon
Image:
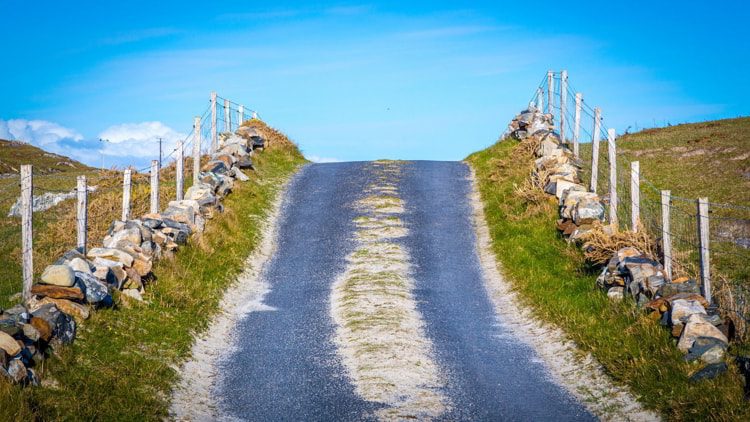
415 80
123 145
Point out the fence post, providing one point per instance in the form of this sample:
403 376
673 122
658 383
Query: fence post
666 235
155 187
703 236
612 154
241 115
196 149
563 101
126 195
179 171
214 136
82 213
595 149
227 117
577 127
550 90
27 258
635 195
540 100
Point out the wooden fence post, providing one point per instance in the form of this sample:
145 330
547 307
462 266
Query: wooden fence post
540 100
227 117
27 203
196 149
612 154
155 187
240 115
703 236
126 195
595 149
255 114
82 213
214 135
635 195
563 101
666 235
577 123
179 171
550 91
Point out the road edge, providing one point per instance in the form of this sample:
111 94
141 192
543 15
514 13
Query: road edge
576 371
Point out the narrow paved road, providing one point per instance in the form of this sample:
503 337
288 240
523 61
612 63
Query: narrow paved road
286 366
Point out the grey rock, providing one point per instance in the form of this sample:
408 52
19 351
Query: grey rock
670 289
153 223
709 372
703 345
17 371
95 291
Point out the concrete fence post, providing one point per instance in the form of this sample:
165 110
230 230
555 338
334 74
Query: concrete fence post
179 171
126 194
563 102
595 149
612 155
550 91
666 234
82 214
214 135
577 124
155 187
196 149
635 195
703 236
27 247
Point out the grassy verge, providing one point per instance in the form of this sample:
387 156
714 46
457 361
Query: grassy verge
553 279
122 364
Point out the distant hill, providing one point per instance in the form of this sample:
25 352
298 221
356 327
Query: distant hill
697 159
13 154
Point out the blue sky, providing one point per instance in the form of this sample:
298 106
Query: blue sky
356 81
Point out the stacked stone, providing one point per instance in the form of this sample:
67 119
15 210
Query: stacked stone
75 284
700 332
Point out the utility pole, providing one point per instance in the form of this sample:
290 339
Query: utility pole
101 151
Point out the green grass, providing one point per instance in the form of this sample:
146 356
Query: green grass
121 366
554 280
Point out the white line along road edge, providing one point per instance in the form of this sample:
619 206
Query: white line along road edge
193 397
574 370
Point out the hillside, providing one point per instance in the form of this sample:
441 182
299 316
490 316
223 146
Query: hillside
709 159
14 153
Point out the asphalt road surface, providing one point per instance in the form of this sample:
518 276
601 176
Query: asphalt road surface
286 366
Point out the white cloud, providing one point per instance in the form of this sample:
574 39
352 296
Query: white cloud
36 132
139 140
129 144
317 159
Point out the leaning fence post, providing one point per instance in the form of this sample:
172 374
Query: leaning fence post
666 235
126 195
227 117
196 149
179 171
155 187
703 236
635 195
27 257
82 213
214 137
563 101
595 149
540 100
612 154
550 90
577 123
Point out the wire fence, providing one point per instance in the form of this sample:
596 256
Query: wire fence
55 213
720 258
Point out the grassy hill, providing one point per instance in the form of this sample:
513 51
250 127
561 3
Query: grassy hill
13 154
697 159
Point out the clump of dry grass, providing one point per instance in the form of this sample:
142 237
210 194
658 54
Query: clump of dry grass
600 244
274 137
